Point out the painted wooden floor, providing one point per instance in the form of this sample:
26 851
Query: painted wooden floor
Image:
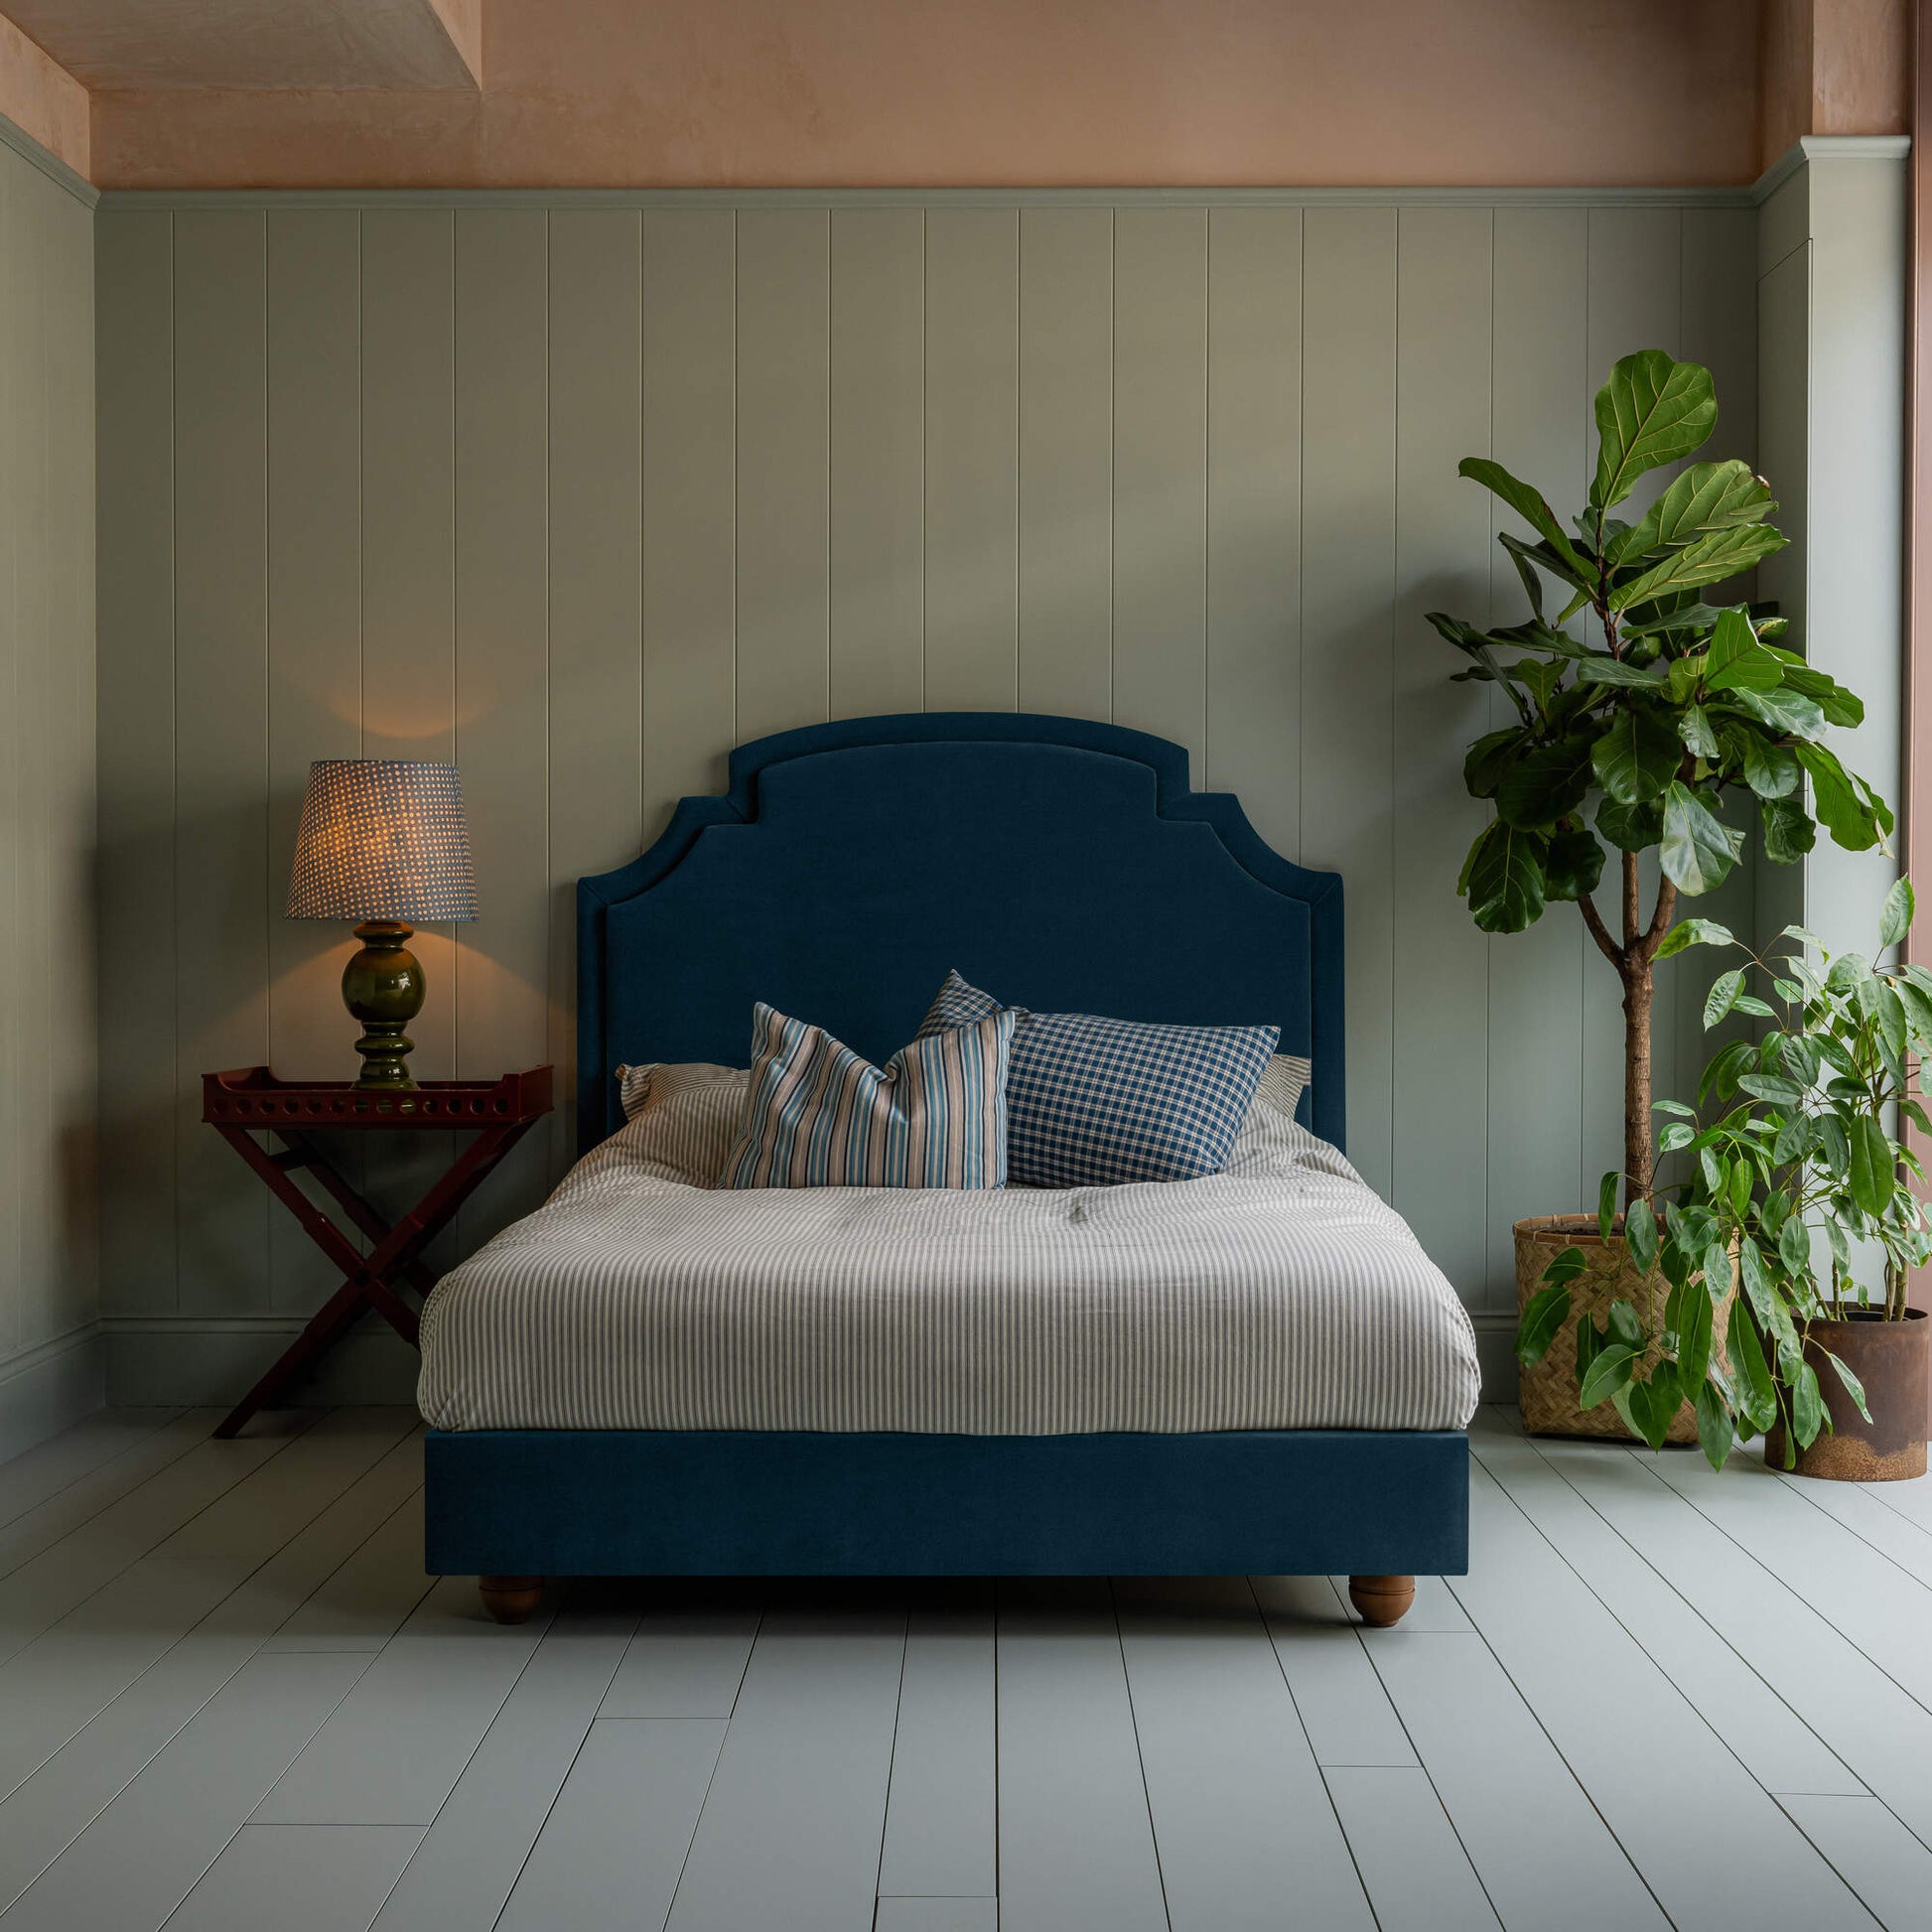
230 1698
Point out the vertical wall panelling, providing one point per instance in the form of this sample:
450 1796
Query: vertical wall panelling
584 493
1539 979
1635 302
1348 579
784 404
409 590
878 466
972 400
1443 537
689 503
1161 474
63 929
501 537
1066 461
1719 256
595 753
50 1357
314 640
135 739
1254 514
220 793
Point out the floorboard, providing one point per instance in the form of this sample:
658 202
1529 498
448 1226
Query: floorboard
687 1658
1241 1817
1076 1843
467 1865
1875 1854
792 1828
941 1815
1858 1507
298 1878
34 1478
937 1915
1418 1876
1343 1708
609 1856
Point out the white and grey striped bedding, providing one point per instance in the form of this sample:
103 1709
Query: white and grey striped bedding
1280 1293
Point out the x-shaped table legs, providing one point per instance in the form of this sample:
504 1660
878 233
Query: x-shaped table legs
368 1280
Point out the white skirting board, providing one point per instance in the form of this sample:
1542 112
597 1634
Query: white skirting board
51 1387
212 1360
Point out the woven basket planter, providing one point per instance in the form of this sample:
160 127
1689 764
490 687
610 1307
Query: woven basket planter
1548 1389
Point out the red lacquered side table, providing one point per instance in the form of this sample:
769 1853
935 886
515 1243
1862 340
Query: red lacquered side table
252 1100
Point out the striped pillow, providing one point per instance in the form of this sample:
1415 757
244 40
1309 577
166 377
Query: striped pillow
1098 1103
818 1115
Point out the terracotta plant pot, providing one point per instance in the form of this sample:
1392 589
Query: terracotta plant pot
1891 1360
1547 1390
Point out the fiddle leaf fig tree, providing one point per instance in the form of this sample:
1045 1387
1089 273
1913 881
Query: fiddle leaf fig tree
1628 737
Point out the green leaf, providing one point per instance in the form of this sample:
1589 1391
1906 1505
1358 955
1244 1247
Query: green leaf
1696 853
1678 1134
1613 670
1807 1406
1624 1328
1630 828
1784 710
1573 865
1736 660
1794 1248
1896 919
1504 878
1694 728
1722 996
1640 1234
1652 411
1883 1011
1842 809
1711 559
1695 932
1527 501
1545 784
1716 1268
1853 1386
1610 1371
1548 1311
1788 831
1740 1180
1545 556
1606 1202
1482 767
1637 756
1714 1427
1654 1403
1873 1174
1706 496
1769 769
1693 1332
1756 1394
1839 706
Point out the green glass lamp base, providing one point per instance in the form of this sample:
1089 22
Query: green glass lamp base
383 986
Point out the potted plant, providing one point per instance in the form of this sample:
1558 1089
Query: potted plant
1797 1177
1634 738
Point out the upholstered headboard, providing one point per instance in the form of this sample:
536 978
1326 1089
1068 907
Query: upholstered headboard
1060 863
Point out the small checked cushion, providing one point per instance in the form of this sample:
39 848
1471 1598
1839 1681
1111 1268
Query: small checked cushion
818 1115
1093 1102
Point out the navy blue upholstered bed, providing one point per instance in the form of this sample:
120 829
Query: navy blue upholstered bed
1067 865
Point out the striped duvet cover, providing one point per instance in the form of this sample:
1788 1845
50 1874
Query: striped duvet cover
1280 1293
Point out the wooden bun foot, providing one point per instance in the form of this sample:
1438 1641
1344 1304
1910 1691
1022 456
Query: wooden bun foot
1381 1600
512 1599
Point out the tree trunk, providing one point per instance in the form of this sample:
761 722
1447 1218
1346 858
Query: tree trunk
1638 986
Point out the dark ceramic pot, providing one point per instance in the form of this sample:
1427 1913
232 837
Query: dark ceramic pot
1891 1361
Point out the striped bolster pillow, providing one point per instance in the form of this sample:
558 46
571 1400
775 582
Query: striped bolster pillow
818 1115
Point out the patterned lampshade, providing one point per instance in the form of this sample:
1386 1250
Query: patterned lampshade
382 839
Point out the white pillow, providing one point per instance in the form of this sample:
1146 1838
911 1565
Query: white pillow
1280 1085
681 1119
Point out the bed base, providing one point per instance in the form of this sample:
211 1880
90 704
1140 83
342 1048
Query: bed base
517 1506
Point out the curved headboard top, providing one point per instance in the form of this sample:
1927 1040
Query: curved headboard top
1061 863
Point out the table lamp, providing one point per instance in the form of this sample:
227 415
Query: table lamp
382 841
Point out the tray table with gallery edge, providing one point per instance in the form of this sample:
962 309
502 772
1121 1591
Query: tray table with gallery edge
248 1101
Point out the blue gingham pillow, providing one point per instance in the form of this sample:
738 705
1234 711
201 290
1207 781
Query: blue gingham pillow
818 1115
1093 1102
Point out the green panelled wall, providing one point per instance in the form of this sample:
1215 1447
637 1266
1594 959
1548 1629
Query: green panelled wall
50 1365
579 491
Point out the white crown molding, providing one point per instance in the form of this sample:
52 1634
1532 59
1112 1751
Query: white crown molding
1828 147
